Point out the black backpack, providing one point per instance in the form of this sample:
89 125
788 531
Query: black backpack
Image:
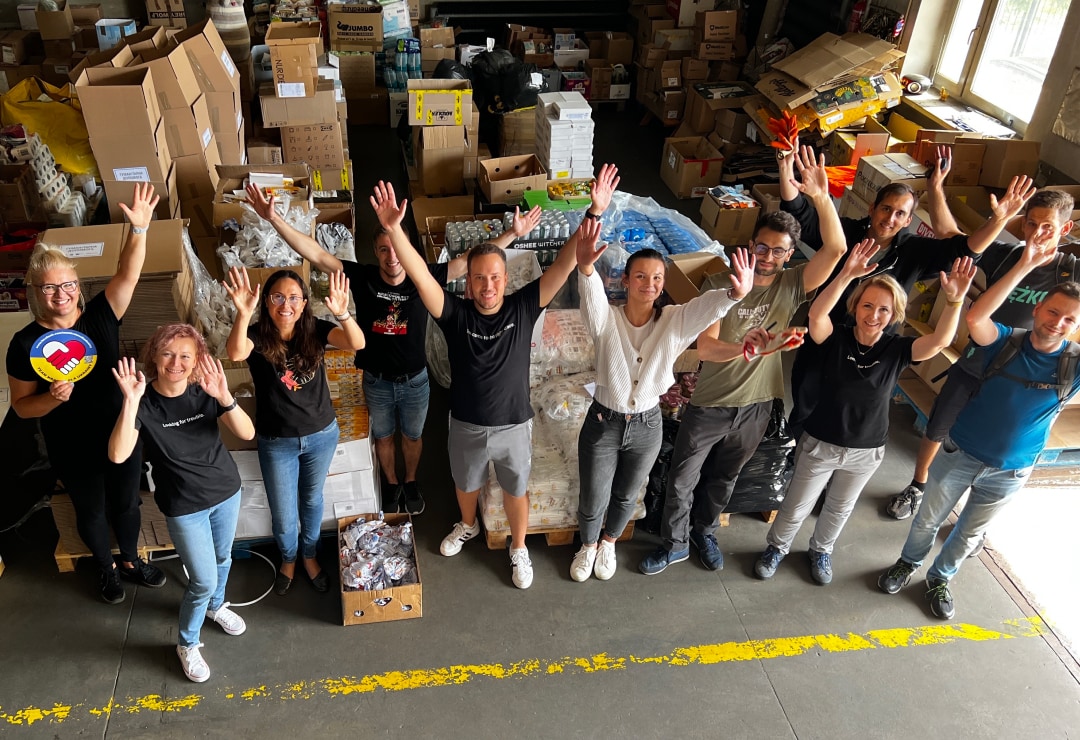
1066 371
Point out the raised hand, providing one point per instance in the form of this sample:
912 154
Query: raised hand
239 289
814 180
956 282
940 167
386 206
1039 252
588 233
257 199
142 206
858 262
742 273
131 381
212 379
337 300
523 223
604 187
1020 190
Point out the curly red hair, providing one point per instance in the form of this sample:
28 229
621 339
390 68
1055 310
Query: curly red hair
162 338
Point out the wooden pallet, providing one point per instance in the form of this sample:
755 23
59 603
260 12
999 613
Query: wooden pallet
768 516
65 561
555 536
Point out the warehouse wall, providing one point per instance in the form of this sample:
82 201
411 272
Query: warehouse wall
1057 152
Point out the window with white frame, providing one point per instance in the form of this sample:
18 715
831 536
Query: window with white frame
996 54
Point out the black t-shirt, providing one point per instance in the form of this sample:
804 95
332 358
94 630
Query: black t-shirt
853 405
287 404
393 318
77 431
192 470
489 358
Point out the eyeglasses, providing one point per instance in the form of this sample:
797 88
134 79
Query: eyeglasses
279 300
761 250
51 288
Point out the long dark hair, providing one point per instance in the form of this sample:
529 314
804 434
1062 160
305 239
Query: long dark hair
268 341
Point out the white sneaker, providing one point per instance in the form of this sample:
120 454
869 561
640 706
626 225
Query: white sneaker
191 660
459 535
582 565
229 620
605 560
522 567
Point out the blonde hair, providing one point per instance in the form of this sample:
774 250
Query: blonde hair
885 282
44 258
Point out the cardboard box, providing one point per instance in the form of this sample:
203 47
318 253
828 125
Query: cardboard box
848 147
732 227
197 179
319 108
930 369
440 154
356 70
117 192
667 105
15 46
332 180
211 60
118 102
599 71
879 170
690 165
572 57
506 179
617 47
439 102
650 56
669 76
705 100
716 25
133 158
694 70
260 151
355 27
226 114
768 196
175 81
437 37
856 207
431 56
319 145
231 177
650 19
687 273
96 249
399 104
19 199
830 57
294 57
1004 160
164 13
685 11
55 24
111 30
399 602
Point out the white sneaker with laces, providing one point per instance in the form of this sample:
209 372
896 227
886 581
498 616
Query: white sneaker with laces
523 570
195 668
582 566
459 535
229 620
605 560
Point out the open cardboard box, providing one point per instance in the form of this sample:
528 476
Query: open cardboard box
385 605
687 273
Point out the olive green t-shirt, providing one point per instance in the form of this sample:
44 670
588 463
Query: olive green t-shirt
741 383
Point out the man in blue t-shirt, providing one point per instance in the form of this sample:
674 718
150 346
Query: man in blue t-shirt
998 436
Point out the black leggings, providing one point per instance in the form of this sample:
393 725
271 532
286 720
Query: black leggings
108 495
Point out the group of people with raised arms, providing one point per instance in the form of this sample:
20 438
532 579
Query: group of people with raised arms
168 412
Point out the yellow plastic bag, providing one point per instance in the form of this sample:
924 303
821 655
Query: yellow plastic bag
54 114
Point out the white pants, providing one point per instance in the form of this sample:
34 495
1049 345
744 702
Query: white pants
815 462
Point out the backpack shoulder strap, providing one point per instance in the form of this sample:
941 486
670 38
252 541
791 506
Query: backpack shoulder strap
1005 355
1067 363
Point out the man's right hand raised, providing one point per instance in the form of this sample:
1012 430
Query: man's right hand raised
387 210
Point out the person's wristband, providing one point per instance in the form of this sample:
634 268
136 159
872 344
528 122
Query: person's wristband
954 304
230 407
593 216
731 297
344 317
139 229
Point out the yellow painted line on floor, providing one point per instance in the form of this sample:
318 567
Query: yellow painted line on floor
726 652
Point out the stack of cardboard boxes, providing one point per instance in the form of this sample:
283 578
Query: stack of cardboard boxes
441 112
357 37
564 135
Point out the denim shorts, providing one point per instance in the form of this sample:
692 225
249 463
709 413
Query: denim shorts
508 448
391 405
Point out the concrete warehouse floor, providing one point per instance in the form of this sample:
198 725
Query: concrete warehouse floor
686 653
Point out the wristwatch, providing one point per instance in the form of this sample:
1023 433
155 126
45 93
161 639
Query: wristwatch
138 229
593 216
230 407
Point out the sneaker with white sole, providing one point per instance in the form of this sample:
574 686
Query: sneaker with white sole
523 570
459 535
605 565
195 668
905 504
230 621
582 565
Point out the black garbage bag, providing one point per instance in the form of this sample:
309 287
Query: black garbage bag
451 69
764 479
503 83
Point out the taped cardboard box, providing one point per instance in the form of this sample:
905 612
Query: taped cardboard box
439 102
716 25
319 108
213 65
175 82
355 27
319 145
690 166
440 154
133 158
875 172
118 102
848 147
188 130
294 57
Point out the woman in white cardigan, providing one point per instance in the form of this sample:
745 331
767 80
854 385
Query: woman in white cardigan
636 346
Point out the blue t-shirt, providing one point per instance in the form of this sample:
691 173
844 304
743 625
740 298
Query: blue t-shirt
1006 425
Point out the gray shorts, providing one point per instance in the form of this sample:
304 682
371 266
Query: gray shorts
509 448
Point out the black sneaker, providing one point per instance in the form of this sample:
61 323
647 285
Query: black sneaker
394 499
896 577
142 573
112 591
414 501
708 550
941 601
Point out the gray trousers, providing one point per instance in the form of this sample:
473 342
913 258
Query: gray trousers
710 451
815 462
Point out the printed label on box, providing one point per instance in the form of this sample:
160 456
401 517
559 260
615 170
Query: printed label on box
671 159
77 251
131 174
207 135
290 89
227 62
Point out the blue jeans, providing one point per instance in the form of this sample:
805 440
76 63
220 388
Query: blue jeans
615 454
391 404
953 472
294 470
203 541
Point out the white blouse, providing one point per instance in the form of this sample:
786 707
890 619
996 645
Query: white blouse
630 380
